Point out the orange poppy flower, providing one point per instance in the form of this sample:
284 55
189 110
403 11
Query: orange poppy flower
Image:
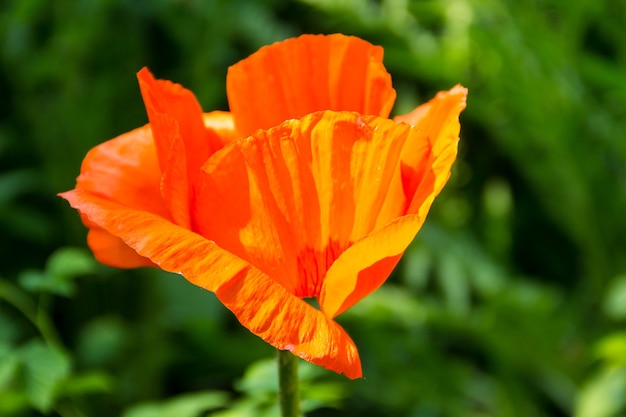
305 189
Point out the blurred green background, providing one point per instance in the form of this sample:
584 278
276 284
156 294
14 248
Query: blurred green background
511 301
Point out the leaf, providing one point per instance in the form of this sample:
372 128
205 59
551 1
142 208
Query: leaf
188 405
9 366
390 304
612 348
329 394
615 299
603 396
12 402
260 379
247 407
455 285
62 267
260 388
88 383
46 369
70 263
40 282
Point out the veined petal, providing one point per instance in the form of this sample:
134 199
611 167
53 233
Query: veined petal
365 265
289 200
290 79
163 97
260 304
124 170
288 323
183 143
427 157
436 146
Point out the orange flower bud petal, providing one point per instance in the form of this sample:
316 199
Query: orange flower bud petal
298 76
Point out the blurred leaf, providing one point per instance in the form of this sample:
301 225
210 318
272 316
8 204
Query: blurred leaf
13 401
417 264
247 407
88 383
46 369
615 299
260 379
9 366
69 263
603 396
456 257
184 302
62 267
454 283
390 303
324 394
260 388
188 405
41 282
612 348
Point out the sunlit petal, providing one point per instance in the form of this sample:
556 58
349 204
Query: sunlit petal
435 148
289 200
290 79
259 303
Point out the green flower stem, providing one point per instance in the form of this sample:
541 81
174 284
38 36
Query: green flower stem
288 384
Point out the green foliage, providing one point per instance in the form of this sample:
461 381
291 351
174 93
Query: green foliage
188 405
511 301
46 369
603 396
61 269
615 300
259 387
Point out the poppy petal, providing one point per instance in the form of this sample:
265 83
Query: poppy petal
427 157
365 265
223 124
183 143
435 148
112 251
288 323
124 170
289 200
260 304
162 97
290 79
